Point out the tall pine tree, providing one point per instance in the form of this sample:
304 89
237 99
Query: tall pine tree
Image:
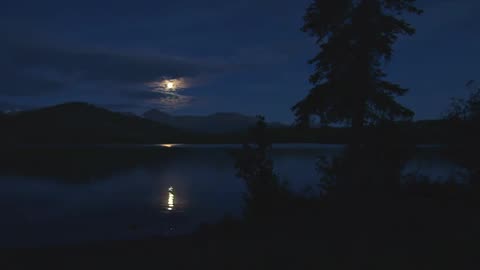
355 38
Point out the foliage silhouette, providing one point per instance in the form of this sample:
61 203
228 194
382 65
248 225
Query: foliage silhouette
374 168
369 215
466 109
464 115
355 39
266 196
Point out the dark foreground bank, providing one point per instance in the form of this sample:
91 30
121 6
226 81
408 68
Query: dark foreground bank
421 232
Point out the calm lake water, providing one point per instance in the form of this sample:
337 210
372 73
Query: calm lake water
69 195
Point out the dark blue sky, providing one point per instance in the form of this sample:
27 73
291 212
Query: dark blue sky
238 56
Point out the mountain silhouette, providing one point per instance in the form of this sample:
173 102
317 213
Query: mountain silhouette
83 123
78 122
214 123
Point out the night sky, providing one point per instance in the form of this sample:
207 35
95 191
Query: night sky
226 56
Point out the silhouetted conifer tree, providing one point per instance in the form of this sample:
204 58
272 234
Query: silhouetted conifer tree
355 38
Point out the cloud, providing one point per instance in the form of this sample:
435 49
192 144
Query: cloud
38 70
92 65
16 83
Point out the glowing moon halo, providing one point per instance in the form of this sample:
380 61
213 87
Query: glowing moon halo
169 89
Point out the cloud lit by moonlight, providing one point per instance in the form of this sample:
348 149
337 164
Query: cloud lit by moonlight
170 85
169 97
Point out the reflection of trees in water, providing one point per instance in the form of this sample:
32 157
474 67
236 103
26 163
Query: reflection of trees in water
79 165
368 214
370 172
466 156
367 168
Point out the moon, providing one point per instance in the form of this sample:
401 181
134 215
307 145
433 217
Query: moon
170 85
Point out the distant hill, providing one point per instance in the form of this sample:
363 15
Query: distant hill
81 123
215 123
